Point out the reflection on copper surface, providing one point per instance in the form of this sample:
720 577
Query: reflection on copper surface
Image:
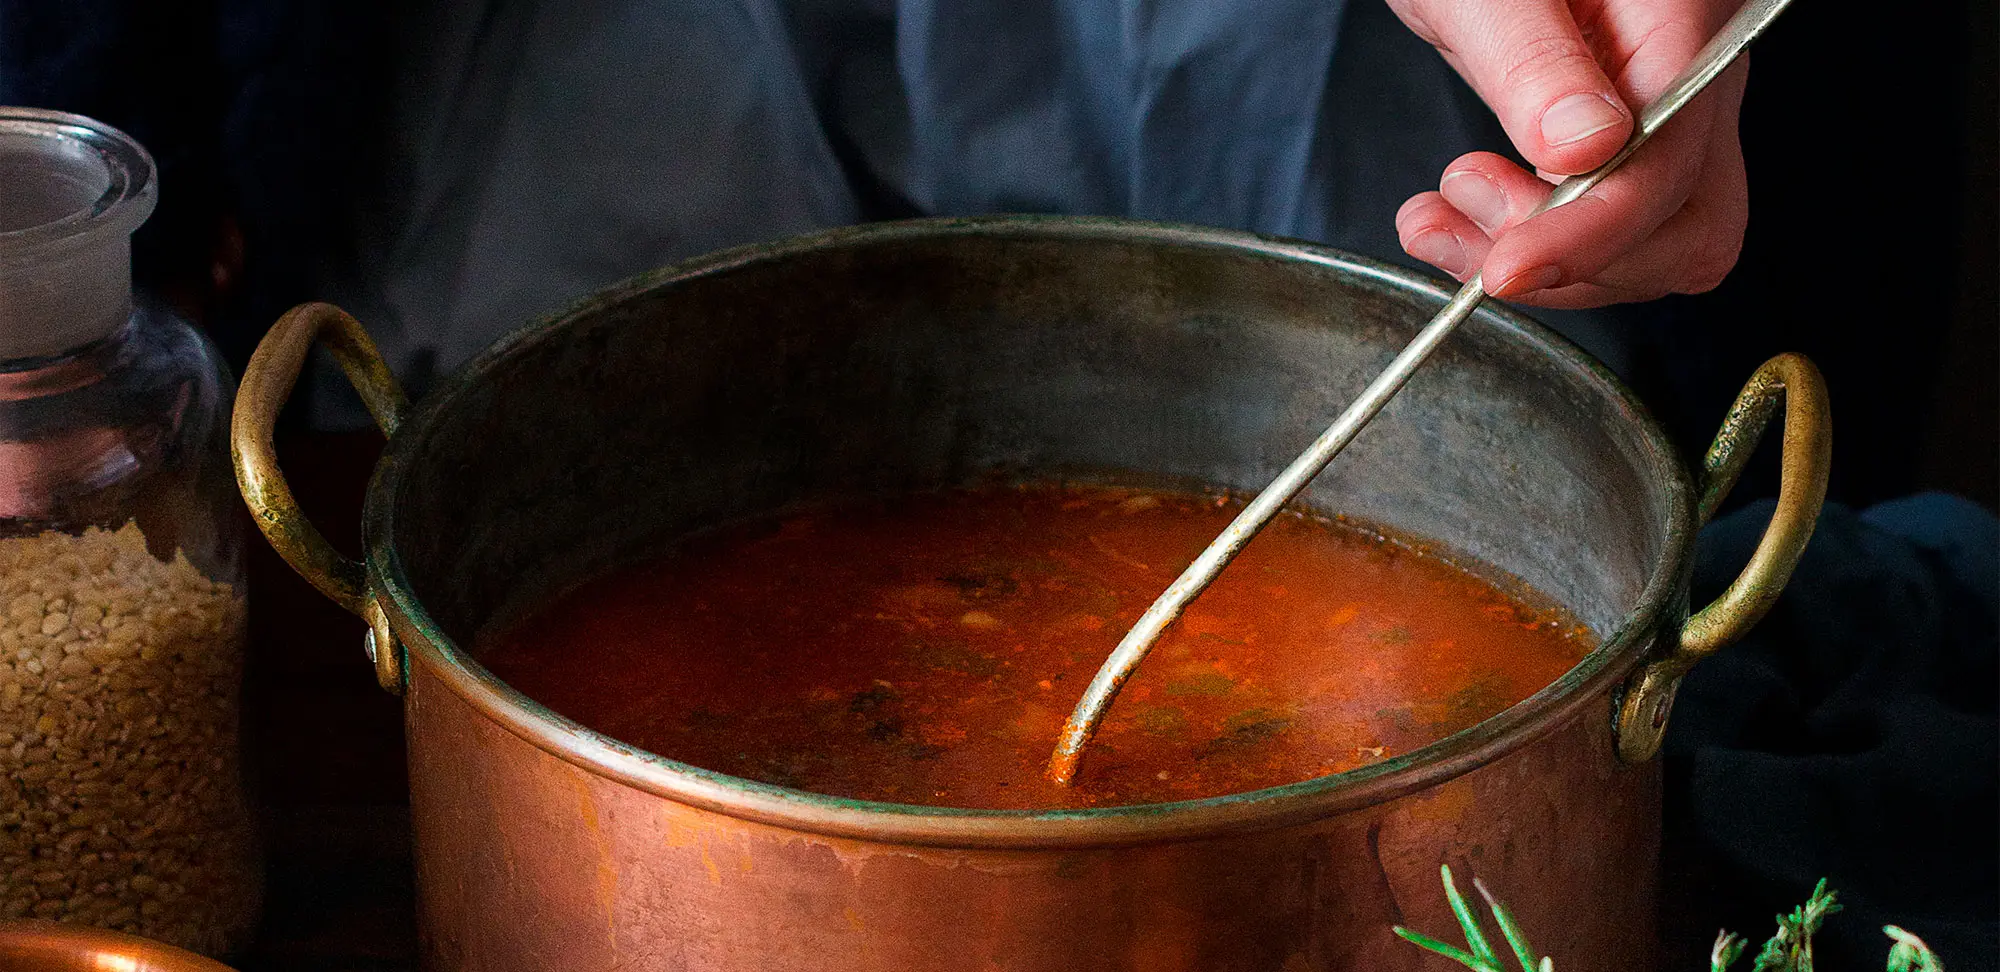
47 946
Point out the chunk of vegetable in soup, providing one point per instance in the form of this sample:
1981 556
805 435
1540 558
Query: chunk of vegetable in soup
926 650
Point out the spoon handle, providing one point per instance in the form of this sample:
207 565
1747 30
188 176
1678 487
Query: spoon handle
1747 25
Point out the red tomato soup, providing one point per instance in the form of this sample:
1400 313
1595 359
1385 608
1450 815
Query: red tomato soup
927 650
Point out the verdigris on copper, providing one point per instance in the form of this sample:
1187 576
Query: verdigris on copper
911 356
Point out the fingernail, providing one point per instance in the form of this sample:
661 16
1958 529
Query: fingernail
1528 281
1441 249
1477 197
1578 117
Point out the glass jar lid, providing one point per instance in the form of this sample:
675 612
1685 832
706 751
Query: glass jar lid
72 190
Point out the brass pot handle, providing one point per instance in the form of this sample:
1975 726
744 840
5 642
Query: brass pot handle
1641 718
267 383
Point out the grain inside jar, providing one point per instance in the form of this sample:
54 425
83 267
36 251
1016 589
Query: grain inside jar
121 801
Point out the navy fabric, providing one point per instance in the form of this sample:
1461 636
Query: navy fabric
450 171
539 151
1852 735
1160 109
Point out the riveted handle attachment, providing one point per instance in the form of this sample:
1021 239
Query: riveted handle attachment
1790 379
267 383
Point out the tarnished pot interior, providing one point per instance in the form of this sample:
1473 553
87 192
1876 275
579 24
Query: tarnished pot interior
912 356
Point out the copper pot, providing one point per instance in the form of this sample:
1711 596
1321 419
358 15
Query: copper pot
45 946
905 356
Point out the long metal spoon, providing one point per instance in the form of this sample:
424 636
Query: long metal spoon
1746 26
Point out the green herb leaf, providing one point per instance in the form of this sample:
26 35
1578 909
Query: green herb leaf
1516 939
1475 938
1481 958
1790 949
1452 952
1910 954
1728 948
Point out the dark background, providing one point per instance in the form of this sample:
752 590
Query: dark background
1869 131
1870 139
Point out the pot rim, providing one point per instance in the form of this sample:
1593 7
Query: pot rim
1593 678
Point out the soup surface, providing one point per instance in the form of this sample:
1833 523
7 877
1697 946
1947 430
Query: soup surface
927 650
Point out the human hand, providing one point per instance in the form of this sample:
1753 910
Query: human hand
1567 78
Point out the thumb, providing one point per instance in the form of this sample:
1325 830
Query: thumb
1531 65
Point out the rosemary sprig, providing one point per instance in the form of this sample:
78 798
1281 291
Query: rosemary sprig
1789 950
1475 937
1481 957
1512 932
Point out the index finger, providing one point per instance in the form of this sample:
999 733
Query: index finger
1575 242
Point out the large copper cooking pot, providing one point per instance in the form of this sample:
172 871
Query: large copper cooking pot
904 356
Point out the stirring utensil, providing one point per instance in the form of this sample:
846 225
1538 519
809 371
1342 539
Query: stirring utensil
1722 50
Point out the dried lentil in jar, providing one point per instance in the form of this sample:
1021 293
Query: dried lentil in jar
118 720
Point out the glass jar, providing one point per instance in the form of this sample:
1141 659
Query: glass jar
122 801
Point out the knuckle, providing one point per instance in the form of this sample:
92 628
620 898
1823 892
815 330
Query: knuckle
1543 58
1651 292
1708 266
1697 285
1705 276
1671 34
1710 262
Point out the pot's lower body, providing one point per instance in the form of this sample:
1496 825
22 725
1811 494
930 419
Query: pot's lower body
528 862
